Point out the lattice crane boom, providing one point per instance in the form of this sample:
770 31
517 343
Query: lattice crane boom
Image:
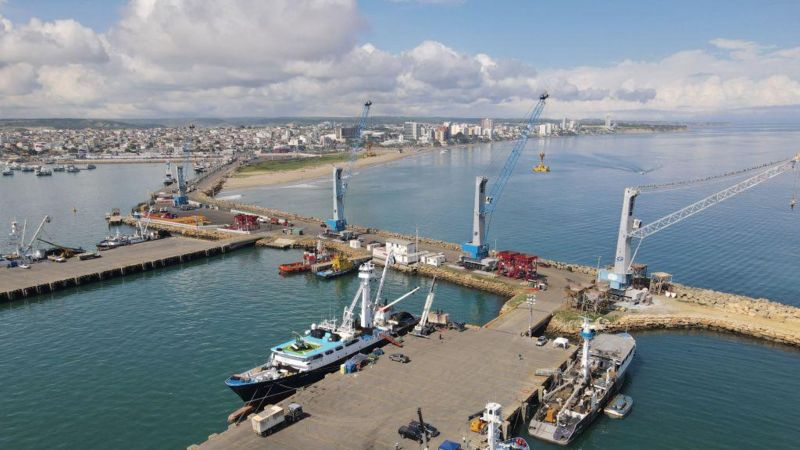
486 204
631 228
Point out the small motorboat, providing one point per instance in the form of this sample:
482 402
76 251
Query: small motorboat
91 167
619 406
8 171
515 443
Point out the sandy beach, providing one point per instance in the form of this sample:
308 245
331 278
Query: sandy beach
256 179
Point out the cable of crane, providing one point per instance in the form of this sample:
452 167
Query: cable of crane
685 183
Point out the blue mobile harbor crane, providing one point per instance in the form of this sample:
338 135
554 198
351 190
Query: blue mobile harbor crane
476 250
338 223
182 198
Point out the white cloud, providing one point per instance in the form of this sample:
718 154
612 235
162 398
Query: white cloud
302 57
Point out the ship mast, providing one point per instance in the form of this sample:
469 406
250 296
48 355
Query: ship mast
587 333
365 275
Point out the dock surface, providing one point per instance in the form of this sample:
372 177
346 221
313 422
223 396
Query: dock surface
48 276
449 378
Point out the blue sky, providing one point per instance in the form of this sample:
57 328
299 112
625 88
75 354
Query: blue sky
551 34
635 59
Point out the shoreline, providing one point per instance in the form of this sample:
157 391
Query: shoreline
265 178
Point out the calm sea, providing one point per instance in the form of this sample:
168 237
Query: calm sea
139 362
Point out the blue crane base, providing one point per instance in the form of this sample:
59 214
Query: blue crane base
180 200
476 252
336 225
618 281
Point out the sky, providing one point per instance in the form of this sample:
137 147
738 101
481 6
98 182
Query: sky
659 60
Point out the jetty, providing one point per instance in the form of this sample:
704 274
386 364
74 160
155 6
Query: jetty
451 375
48 276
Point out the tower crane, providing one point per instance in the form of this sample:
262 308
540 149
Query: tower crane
338 222
630 227
476 249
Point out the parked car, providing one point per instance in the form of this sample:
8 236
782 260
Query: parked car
410 433
432 431
399 357
541 341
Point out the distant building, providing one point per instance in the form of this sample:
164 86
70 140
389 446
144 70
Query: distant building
441 134
487 125
346 132
411 131
608 121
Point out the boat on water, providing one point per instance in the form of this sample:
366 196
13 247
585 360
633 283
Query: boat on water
43 172
340 265
72 169
7 171
59 168
15 166
26 168
575 397
91 167
619 406
168 178
324 347
309 258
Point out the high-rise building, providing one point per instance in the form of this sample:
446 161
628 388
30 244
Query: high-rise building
346 132
608 121
411 131
487 125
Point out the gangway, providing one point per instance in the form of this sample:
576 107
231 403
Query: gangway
630 227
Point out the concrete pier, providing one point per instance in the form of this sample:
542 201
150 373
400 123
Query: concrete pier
450 378
48 276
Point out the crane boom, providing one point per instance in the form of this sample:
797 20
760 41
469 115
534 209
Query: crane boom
513 157
486 204
631 228
340 180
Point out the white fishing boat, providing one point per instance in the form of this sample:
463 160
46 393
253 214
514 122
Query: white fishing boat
43 171
7 171
324 347
576 396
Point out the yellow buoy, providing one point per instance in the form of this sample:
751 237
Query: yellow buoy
541 167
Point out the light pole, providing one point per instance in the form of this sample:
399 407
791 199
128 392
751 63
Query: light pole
531 301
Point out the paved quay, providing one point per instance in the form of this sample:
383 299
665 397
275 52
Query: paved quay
48 276
449 378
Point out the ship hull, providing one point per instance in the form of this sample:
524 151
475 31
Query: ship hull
271 391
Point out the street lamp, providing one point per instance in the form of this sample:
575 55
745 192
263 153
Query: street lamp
531 301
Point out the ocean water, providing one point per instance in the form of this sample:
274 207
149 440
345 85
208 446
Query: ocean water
76 202
139 362
748 244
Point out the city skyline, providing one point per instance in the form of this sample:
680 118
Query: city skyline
170 59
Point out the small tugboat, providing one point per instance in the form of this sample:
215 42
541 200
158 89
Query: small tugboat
619 407
309 258
323 348
340 265
577 396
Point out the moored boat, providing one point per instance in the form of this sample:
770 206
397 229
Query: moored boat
7 171
43 172
72 169
340 265
59 168
576 397
619 406
307 358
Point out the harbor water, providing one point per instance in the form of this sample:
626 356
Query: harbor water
139 362
747 244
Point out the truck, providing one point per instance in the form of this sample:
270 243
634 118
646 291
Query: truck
273 418
268 420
